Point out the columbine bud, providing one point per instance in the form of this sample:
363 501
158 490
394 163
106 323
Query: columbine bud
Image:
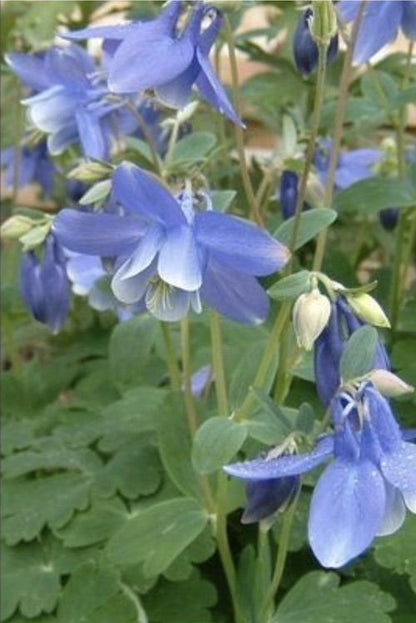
288 193
389 218
323 27
367 308
310 316
35 236
305 48
90 171
389 384
16 226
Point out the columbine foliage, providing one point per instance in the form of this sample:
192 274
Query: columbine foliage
207 396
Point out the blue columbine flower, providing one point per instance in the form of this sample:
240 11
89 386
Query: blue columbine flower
71 100
89 278
34 163
44 284
363 492
330 344
171 251
155 54
305 49
380 24
352 166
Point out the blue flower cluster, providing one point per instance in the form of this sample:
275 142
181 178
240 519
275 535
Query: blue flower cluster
365 489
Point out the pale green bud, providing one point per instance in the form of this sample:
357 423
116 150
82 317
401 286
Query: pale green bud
323 26
91 171
15 227
315 191
35 236
310 316
389 384
367 308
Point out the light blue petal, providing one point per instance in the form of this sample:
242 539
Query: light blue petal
69 66
84 271
212 90
399 468
395 512
139 192
379 26
287 465
91 134
239 244
179 262
59 140
30 68
131 290
148 60
200 379
105 235
52 109
144 254
117 32
346 512
348 9
171 307
360 157
346 176
177 92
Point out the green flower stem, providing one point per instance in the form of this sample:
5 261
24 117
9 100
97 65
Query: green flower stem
148 136
18 147
171 362
404 242
245 176
282 553
222 483
172 141
191 413
337 134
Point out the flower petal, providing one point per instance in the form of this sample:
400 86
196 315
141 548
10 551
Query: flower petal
30 68
177 92
399 468
140 192
84 271
266 497
287 465
105 235
144 254
131 290
179 263
91 134
409 19
395 511
346 511
379 26
239 244
234 294
171 306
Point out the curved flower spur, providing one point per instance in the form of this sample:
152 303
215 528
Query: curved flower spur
171 255
363 492
156 54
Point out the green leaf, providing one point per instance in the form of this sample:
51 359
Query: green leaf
358 356
30 580
244 372
379 86
140 147
96 524
221 199
96 193
290 287
38 23
215 443
181 602
268 424
129 349
175 445
318 598
157 535
407 96
374 194
95 595
193 147
311 223
398 551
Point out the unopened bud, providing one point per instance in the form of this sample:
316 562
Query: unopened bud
35 236
16 226
91 171
389 384
310 316
315 192
367 308
323 26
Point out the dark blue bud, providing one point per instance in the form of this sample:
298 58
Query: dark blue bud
388 218
288 193
44 285
266 497
305 49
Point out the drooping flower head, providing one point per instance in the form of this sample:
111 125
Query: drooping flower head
156 54
44 284
363 492
35 166
71 102
330 345
352 166
380 24
172 252
305 49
